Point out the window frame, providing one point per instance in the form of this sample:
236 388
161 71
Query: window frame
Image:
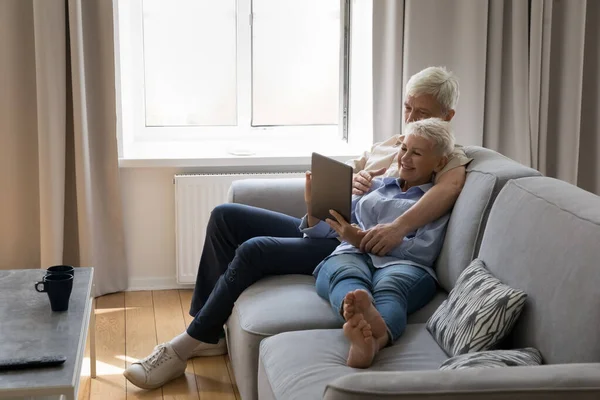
132 129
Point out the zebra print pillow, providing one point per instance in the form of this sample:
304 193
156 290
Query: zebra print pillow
495 358
478 313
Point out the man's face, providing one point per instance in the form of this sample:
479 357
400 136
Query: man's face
424 106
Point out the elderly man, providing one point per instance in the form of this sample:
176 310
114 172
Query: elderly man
244 244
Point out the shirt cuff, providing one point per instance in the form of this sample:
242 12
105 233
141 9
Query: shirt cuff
320 230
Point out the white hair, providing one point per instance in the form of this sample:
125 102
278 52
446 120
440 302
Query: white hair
439 83
435 130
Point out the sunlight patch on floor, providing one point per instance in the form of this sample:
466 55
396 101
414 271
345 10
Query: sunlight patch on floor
110 310
102 368
127 359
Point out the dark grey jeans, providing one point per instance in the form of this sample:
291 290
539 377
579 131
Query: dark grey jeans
244 244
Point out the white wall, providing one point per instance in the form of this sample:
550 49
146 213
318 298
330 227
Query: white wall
149 217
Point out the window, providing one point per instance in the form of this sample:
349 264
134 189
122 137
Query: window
239 75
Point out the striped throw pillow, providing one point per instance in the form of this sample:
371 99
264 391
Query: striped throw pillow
478 313
495 358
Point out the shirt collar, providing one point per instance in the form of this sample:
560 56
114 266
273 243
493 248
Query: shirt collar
398 182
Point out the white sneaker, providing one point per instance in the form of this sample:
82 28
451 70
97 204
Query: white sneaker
209 349
157 369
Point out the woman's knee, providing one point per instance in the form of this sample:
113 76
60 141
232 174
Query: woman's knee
344 266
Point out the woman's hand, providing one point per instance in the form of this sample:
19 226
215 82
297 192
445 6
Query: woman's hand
312 221
345 231
308 188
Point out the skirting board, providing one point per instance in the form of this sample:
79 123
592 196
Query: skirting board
156 283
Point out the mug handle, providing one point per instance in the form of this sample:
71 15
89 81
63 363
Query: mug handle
43 286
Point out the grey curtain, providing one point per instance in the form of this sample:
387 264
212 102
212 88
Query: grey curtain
60 200
528 72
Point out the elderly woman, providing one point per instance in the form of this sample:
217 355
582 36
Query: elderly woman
374 294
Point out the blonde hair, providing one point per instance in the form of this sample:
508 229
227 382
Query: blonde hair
435 130
439 83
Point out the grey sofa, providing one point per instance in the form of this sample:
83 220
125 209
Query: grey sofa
527 242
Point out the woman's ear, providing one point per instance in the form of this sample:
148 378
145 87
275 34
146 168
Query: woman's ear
441 164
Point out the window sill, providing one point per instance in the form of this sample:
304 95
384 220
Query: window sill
229 154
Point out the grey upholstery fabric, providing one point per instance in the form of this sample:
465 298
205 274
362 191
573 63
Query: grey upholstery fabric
283 195
545 382
422 315
543 237
299 365
264 386
486 175
264 310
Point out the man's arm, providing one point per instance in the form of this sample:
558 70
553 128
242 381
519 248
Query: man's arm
358 164
438 201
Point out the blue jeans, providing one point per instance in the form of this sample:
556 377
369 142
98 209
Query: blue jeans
244 244
397 290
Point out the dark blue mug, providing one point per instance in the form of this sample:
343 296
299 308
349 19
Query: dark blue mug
58 287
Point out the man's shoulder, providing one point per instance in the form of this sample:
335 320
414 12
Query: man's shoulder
459 151
393 141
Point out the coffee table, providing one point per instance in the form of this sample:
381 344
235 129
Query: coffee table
28 328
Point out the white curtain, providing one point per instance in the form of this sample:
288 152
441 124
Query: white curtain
60 199
528 72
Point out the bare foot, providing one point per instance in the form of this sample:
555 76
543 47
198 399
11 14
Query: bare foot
363 345
361 304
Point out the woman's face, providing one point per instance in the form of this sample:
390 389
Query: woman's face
418 160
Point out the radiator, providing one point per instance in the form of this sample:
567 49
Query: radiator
195 197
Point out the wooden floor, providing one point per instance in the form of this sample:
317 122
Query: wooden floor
128 326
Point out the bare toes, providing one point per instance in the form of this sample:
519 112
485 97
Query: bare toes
367 327
355 320
362 324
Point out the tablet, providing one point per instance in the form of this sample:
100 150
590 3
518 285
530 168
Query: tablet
331 187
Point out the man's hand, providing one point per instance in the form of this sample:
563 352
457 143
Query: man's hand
345 231
381 239
361 182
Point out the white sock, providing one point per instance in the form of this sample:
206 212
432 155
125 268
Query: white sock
183 345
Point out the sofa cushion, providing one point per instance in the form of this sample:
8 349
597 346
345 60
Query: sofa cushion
265 308
298 365
543 237
479 312
486 175
494 359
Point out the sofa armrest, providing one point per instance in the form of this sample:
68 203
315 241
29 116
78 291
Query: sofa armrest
284 195
548 382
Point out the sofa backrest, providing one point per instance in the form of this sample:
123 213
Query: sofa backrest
486 175
543 237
